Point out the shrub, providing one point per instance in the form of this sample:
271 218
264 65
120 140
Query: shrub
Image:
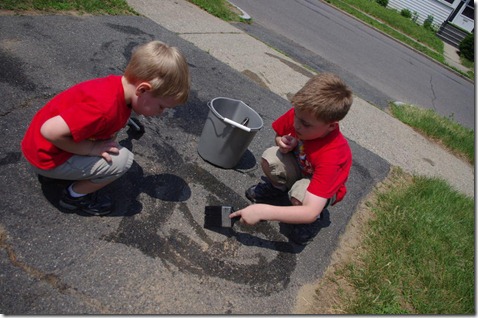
427 24
415 16
383 3
467 47
406 13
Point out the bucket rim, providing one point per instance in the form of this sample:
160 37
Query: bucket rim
211 107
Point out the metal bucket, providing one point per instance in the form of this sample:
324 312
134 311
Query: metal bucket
228 131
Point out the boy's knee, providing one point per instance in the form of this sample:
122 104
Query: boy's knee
298 190
281 168
124 161
265 165
108 172
270 162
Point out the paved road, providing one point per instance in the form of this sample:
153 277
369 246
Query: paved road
378 68
152 255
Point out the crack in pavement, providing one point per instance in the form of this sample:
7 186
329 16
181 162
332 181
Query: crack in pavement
434 97
49 278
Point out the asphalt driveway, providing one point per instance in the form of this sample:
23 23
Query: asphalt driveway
152 254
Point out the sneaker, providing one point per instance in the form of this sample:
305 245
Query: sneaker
263 192
89 203
303 234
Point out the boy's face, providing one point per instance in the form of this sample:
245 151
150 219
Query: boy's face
146 104
308 127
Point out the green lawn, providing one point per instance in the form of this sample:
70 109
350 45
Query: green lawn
446 131
219 8
420 251
111 7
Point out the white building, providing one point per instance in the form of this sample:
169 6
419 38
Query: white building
454 18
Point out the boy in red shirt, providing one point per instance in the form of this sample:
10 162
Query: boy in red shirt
73 136
310 163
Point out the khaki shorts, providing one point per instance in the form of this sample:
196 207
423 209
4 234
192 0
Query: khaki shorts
285 170
95 169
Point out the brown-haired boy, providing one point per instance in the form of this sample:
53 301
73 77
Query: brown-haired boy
73 136
311 161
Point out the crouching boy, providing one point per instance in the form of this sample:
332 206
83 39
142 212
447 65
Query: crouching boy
310 162
73 137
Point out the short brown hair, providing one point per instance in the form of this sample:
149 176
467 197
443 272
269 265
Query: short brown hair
325 96
163 67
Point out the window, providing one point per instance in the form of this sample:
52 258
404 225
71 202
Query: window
469 11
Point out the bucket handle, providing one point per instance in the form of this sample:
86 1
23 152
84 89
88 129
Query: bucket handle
231 122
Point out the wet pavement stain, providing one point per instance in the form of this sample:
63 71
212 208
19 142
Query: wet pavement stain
188 246
177 248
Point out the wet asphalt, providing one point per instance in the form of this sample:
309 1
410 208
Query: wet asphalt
152 255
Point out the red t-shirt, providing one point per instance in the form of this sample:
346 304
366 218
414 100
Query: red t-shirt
95 110
326 160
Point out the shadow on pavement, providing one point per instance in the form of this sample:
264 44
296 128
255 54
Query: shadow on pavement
164 186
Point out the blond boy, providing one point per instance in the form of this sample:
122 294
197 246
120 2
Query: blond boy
73 136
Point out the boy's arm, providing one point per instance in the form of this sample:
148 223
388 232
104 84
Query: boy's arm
296 214
56 131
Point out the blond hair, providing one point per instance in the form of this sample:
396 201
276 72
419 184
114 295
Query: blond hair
325 96
163 67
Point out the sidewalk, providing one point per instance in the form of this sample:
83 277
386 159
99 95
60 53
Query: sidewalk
365 124
452 58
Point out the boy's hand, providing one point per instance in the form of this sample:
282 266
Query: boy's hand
103 148
286 143
249 215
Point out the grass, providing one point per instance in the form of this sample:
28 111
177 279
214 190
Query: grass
219 8
110 7
393 19
466 62
469 64
419 252
458 139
